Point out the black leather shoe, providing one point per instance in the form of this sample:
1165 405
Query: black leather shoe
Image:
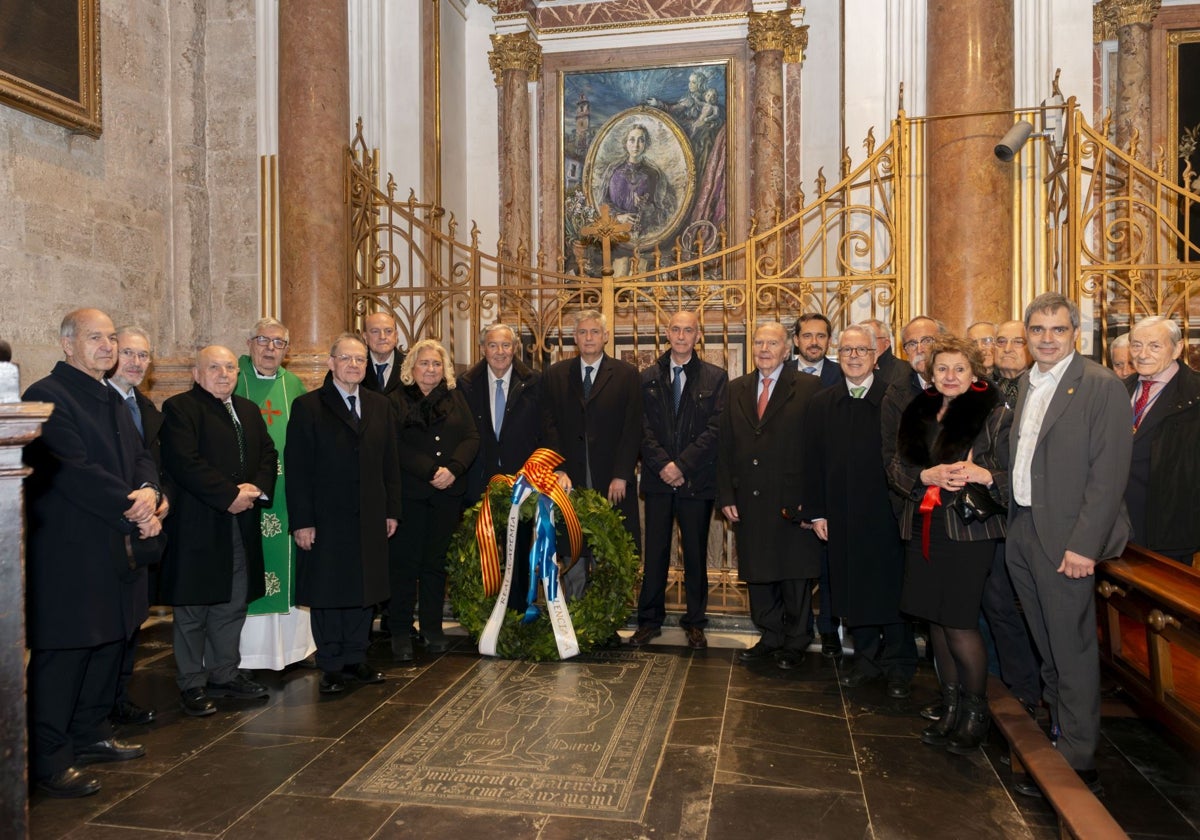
332 683
831 646
898 688
68 784
437 644
1024 784
196 703
402 650
644 634
102 752
362 672
856 678
240 687
128 713
761 650
789 659
695 638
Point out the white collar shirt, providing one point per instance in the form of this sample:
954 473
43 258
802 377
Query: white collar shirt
1042 387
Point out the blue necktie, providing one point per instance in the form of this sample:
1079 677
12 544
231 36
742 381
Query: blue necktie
498 421
811 371
131 403
587 381
352 399
677 386
379 369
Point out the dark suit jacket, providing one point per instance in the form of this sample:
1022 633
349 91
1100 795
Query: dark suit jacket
80 590
520 432
371 382
1165 469
200 454
605 428
1081 463
891 368
689 437
760 468
343 478
831 371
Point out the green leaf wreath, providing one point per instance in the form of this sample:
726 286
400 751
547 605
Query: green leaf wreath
596 616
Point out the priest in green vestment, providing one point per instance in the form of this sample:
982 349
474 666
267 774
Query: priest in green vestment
277 632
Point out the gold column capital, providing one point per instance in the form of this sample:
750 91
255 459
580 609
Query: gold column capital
793 53
1104 21
1130 12
771 31
515 52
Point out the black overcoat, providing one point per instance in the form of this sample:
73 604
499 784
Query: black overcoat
371 382
759 468
343 478
687 437
521 431
200 456
435 431
845 483
606 427
80 589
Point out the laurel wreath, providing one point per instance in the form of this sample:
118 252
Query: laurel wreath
596 616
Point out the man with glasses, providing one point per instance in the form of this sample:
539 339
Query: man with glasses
916 338
1012 359
983 335
276 632
1071 445
343 488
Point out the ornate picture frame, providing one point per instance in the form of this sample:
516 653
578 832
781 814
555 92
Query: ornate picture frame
50 61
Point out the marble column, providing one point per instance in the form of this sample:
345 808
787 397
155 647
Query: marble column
314 127
1132 108
769 36
969 192
515 59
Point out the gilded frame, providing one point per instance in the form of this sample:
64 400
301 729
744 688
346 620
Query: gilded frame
50 61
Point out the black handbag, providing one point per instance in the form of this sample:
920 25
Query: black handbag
974 503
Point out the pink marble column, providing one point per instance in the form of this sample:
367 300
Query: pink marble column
969 197
1132 111
314 125
515 59
769 36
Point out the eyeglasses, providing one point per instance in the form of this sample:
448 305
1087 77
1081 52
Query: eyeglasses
346 357
855 351
140 355
263 341
1018 343
912 345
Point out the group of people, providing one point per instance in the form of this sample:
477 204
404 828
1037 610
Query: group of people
247 494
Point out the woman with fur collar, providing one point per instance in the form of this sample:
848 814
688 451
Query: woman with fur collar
951 434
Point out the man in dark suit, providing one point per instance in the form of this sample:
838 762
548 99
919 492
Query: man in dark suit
1071 445
343 496
133 360
846 488
1165 469
382 338
886 363
682 396
810 336
505 397
592 416
91 498
222 466
759 469
917 336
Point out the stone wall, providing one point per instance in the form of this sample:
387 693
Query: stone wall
156 221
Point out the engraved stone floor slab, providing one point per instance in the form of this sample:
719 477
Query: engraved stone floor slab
581 737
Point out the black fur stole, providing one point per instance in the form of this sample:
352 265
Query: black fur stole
963 421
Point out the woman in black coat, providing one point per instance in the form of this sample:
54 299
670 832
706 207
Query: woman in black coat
950 435
438 443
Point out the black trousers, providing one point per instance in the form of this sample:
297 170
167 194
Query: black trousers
887 649
1014 651
71 694
781 611
694 517
342 635
128 657
418 566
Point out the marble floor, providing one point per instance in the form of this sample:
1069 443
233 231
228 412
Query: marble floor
685 745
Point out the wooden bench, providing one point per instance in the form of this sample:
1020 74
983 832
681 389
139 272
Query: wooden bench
1080 813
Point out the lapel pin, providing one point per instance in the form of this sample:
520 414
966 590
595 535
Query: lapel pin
1070 391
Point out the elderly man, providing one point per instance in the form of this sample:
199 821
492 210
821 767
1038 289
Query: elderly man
682 396
845 486
1012 359
592 416
276 632
886 363
917 337
133 360
1165 469
344 504
222 465
983 335
759 455
1069 466
1118 357
810 336
382 338
91 499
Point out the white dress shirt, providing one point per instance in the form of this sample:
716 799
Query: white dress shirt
1042 387
492 380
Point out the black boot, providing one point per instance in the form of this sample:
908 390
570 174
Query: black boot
938 733
972 727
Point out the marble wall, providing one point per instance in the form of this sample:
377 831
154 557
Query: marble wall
155 221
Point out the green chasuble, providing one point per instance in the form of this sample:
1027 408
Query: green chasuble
274 397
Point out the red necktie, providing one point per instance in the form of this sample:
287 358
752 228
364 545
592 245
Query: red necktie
1139 407
764 396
